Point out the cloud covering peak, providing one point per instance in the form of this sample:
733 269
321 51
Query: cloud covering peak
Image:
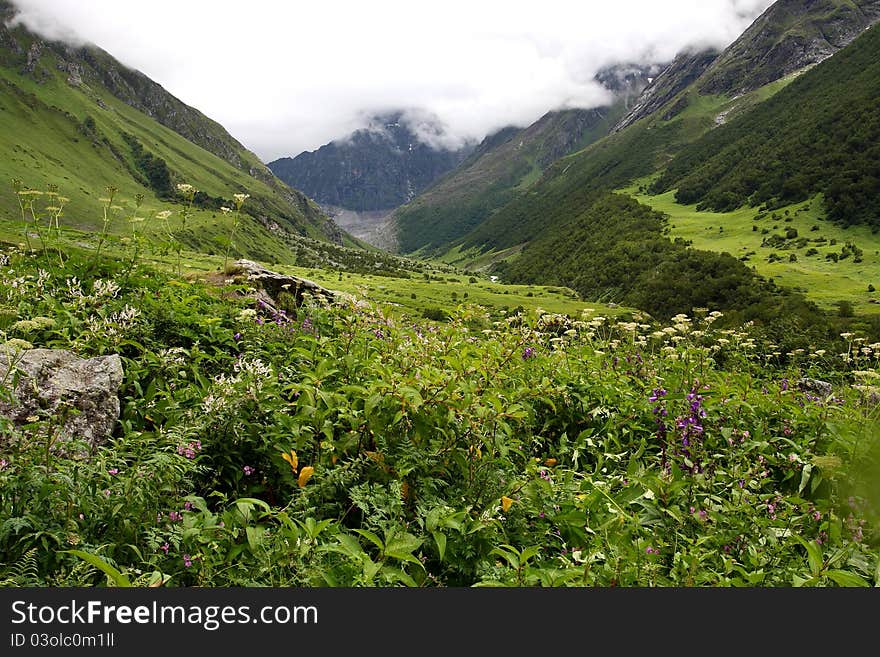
286 77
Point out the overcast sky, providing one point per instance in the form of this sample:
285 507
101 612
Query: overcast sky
288 76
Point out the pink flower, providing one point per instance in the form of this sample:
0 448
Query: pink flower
113 471
165 547
248 470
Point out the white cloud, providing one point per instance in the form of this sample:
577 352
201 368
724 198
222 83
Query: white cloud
284 77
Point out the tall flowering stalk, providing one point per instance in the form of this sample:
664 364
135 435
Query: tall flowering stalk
108 209
189 194
135 222
18 188
239 201
55 210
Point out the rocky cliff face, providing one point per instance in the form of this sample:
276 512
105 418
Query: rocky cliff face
681 73
789 36
377 168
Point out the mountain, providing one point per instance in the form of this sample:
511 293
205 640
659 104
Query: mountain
77 118
508 162
647 145
681 73
374 169
799 134
824 127
790 36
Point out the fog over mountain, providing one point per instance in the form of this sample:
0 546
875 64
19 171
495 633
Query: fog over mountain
287 77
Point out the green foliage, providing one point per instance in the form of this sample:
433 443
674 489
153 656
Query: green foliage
339 446
153 168
624 256
818 135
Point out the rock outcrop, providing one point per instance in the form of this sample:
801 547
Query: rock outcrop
80 394
272 284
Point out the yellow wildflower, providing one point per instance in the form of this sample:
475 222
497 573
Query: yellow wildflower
506 503
305 475
292 459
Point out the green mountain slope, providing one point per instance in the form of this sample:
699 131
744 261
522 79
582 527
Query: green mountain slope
567 230
78 119
461 201
819 135
645 143
507 163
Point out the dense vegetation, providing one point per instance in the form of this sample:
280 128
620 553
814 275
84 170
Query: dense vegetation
342 445
624 256
821 134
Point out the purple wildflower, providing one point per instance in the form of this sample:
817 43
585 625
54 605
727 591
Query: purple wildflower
528 352
248 470
656 394
165 547
187 560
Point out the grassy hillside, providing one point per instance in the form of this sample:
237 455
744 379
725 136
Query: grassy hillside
503 167
74 133
765 241
819 135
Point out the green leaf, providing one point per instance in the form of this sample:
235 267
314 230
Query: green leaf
814 556
254 537
528 553
846 578
805 477
370 536
348 545
98 562
440 540
401 547
395 574
508 553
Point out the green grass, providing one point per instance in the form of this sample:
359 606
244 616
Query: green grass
822 280
438 293
410 293
43 143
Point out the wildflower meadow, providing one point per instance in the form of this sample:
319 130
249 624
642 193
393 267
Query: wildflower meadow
350 444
